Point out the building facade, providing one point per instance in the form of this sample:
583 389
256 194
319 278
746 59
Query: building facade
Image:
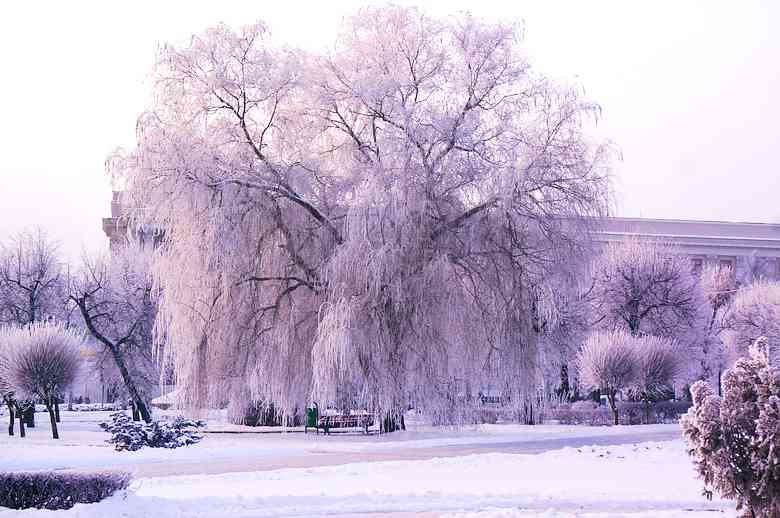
117 228
751 250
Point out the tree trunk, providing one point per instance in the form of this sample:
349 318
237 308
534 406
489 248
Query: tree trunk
134 411
29 415
634 320
11 417
20 415
53 419
130 384
116 353
613 407
646 400
57 409
391 423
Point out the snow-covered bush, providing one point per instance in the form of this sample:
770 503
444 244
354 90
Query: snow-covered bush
608 361
129 435
41 362
55 490
179 432
580 413
126 434
734 440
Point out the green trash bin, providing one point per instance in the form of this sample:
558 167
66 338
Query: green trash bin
312 415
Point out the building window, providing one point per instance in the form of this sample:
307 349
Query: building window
728 262
696 265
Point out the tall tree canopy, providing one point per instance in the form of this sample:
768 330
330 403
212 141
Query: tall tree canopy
647 288
385 222
31 279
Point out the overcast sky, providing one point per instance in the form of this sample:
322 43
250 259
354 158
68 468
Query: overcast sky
690 93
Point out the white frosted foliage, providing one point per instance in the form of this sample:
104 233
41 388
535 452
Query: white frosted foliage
379 225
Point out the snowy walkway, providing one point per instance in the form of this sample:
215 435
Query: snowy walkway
491 471
639 481
323 457
83 447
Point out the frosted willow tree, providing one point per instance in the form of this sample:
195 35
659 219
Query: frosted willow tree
380 224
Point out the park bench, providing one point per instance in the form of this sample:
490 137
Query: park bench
338 420
345 422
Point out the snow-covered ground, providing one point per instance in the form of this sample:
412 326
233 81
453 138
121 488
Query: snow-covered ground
83 446
394 475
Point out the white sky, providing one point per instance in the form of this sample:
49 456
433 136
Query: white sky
690 93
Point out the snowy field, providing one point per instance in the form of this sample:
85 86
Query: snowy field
481 472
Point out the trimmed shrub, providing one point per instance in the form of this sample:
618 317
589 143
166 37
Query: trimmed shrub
56 490
631 413
129 435
670 411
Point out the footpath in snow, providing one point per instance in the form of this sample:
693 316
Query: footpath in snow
494 471
83 447
648 479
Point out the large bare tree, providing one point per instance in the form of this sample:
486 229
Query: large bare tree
383 223
31 290
30 278
114 299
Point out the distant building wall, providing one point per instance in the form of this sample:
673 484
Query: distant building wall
117 228
752 250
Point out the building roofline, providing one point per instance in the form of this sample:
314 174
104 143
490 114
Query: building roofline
665 220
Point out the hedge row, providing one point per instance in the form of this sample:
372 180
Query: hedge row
56 490
629 413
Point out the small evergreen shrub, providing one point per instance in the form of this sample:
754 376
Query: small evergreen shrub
129 435
126 434
735 440
55 490
179 432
